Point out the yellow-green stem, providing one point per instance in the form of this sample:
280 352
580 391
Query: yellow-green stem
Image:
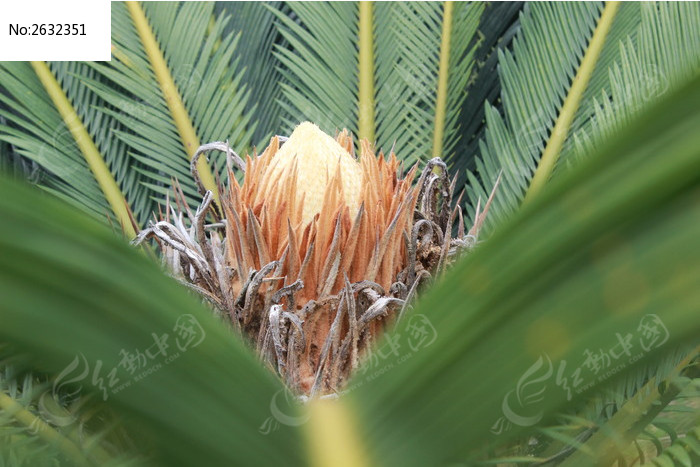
366 72
14 409
92 155
332 435
443 72
572 102
188 135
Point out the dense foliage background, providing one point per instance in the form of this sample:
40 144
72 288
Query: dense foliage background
599 102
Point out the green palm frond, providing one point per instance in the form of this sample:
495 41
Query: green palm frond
15 165
435 64
42 425
638 412
613 419
124 107
498 26
537 75
550 284
663 55
683 451
208 84
322 73
35 128
16 447
73 77
320 65
456 67
122 334
255 21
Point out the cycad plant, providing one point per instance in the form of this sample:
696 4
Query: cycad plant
556 319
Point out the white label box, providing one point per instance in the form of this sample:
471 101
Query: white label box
55 30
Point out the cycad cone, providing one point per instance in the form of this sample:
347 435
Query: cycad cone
326 220
317 157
